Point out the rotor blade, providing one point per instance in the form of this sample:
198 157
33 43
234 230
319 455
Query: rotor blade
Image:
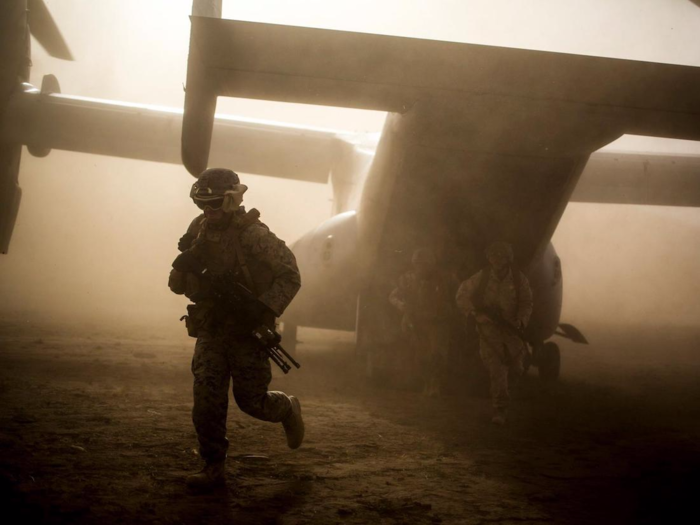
44 29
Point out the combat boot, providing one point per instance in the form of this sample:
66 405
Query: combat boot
211 476
294 425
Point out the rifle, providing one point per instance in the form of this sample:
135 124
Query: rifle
498 319
269 341
232 295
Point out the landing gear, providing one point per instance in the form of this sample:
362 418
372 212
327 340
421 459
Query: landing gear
546 358
549 362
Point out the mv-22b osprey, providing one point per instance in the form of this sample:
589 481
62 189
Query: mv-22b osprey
480 144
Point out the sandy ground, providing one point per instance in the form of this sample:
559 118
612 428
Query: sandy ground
95 428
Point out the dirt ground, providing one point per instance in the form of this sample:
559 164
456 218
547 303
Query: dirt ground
95 428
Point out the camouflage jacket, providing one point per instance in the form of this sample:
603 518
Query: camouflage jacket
425 299
499 294
270 263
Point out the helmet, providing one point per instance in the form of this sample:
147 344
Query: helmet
218 187
500 248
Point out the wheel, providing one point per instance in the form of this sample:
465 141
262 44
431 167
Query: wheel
549 362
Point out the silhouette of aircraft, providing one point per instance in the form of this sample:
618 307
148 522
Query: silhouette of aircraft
480 143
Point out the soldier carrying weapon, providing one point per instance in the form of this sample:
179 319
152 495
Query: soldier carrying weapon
500 298
227 249
424 298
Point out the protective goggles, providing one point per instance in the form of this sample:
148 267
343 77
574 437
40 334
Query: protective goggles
228 200
213 204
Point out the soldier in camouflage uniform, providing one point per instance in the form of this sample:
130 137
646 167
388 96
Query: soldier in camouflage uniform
424 298
227 240
503 289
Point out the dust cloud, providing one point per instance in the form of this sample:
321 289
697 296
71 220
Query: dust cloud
630 265
95 378
95 235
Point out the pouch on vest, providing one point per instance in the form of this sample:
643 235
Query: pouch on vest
195 319
176 282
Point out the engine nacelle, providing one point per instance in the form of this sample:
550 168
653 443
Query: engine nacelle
327 258
545 276
331 280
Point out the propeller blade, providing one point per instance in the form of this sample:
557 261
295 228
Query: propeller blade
44 29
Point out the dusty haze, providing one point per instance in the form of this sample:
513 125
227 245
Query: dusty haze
95 236
95 413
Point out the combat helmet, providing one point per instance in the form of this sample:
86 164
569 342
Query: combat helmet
500 248
218 188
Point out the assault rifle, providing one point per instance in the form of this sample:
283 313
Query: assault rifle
499 321
237 295
269 341
232 295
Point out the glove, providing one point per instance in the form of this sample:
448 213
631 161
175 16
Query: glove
259 314
185 242
186 262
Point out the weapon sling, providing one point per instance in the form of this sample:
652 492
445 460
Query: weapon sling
242 263
270 341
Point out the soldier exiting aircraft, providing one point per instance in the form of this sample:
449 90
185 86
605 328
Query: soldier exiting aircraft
224 248
424 296
500 298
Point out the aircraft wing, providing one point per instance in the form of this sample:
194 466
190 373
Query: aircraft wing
492 140
47 120
624 178
357 70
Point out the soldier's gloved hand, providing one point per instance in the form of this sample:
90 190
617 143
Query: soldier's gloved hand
260 314
187 262
185 242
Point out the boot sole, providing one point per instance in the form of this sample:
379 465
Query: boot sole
296 410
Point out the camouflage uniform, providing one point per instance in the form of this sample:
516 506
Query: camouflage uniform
224 348
500 351
428 314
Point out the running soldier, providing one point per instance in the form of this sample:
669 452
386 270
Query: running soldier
226 241
500 298
424 298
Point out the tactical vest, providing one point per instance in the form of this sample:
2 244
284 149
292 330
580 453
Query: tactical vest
225 250
478 299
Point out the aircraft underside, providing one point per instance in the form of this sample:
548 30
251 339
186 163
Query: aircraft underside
480 144
414 198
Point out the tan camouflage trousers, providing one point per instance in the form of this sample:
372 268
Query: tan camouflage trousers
503 358
218 360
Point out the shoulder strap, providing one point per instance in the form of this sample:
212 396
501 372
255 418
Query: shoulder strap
247 220
242 262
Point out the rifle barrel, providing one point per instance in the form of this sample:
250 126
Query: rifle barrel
286 354
278 360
